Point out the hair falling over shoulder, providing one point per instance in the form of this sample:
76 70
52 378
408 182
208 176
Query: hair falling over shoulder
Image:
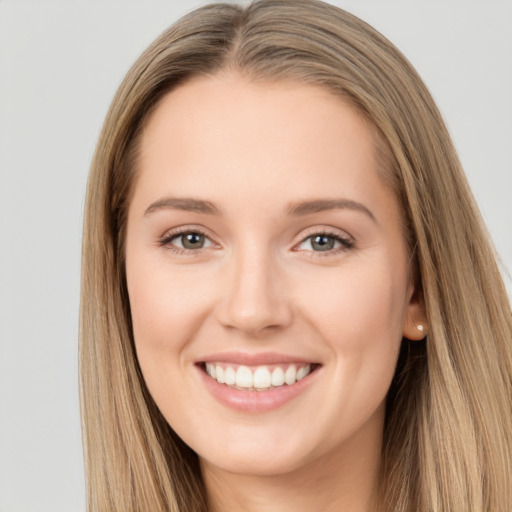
448 433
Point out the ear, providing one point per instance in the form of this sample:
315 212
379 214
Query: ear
415 325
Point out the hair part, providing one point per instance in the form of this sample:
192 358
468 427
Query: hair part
447 440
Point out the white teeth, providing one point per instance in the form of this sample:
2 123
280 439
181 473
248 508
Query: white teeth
229 376
290 376
244 377
262 378
210 370
303 371
277 376
220 374
259 378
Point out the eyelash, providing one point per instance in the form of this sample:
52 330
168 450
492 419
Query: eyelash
166 240
345 243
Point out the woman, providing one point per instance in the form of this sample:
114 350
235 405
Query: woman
287 285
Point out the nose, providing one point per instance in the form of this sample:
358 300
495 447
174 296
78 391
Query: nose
254 296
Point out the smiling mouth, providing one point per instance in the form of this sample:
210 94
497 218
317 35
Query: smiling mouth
257 378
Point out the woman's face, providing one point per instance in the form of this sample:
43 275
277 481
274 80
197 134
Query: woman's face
263 249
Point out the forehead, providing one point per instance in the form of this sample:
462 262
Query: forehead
225 134
267 109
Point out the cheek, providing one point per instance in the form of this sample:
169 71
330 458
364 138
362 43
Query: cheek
169 304
361 322
357 302
360 318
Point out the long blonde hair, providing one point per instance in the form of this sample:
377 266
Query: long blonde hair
448 433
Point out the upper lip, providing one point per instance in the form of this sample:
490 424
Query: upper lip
253 359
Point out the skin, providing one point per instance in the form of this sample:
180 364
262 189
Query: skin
258 285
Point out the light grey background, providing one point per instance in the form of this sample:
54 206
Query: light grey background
60 63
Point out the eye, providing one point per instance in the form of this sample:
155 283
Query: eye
186 241
190 240
325 242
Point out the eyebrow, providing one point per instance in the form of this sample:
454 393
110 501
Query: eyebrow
187 204
301 208
321 205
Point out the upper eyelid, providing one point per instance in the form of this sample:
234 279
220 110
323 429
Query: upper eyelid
325 230
174 232
346 243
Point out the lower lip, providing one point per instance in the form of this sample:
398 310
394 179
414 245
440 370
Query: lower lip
256 401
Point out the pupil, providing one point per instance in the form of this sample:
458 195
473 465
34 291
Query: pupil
193 240
323 243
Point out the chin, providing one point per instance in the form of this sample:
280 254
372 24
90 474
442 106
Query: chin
260 464
262 457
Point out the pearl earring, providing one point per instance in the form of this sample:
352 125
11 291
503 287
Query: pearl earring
419 327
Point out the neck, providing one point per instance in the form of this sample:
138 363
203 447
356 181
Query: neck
346 478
